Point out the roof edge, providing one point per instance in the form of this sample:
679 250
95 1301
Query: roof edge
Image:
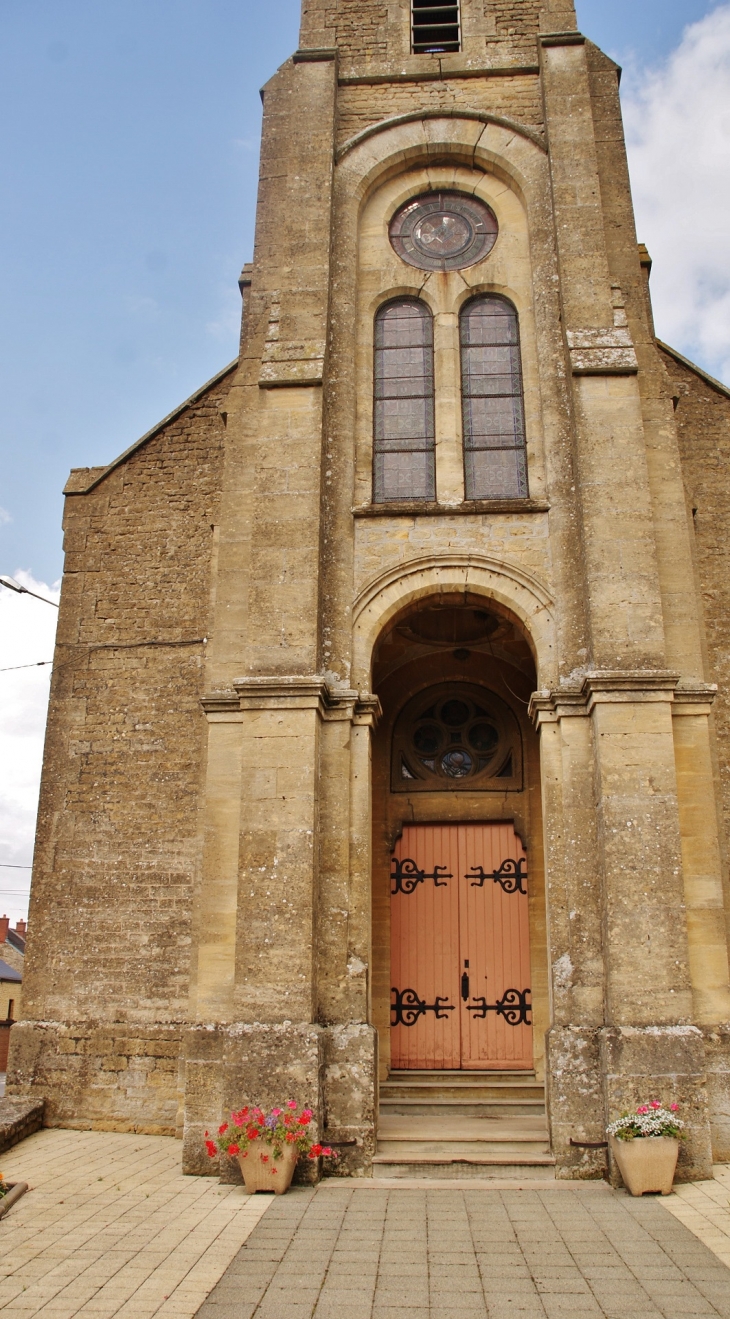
704 375
101 473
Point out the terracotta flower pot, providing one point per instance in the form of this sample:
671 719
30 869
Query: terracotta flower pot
646 1163
262 1172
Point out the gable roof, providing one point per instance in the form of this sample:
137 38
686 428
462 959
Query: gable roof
692 366
7 973
15 940
97 474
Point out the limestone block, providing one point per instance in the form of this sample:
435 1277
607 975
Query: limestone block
350 1080
666 1063
575 1101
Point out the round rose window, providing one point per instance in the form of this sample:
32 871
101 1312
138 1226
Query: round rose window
443 231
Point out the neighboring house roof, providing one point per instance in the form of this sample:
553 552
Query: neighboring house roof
15 940
7 973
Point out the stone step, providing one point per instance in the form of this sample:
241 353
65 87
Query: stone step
436 1107
526 1151
472 1087
463 1169
457 1141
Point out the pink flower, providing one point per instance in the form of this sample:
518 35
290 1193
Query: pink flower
291 1103
275 1112
674 1108
306 1114
654 1104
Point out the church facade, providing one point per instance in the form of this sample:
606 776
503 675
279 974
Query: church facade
389 734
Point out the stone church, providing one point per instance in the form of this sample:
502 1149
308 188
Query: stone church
388 757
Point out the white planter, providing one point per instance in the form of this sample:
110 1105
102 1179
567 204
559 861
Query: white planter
646 1163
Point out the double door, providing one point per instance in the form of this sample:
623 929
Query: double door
460 950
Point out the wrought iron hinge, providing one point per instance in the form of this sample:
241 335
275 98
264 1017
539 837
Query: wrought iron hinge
514 1006
408 1007
510 876
407 875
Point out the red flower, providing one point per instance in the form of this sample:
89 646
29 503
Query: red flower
233 1150
223 1127
264 1158
315 1151
306 1114
211 1148
252 1133
303 1120
274 1169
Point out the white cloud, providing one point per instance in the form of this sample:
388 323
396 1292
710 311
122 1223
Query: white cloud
677 121
27 631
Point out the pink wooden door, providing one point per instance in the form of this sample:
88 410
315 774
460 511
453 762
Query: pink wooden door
460 955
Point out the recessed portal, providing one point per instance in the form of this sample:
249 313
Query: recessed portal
459 963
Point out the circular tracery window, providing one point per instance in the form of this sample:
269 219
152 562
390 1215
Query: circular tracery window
443 231
463 737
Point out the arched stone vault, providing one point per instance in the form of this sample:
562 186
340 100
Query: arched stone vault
526 597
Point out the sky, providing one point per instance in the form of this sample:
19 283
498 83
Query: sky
129 138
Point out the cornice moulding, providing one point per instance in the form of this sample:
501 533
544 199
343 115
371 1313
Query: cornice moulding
612 686
293 692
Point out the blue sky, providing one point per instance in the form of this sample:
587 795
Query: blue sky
129 142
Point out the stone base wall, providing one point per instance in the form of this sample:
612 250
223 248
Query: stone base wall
717 1062
333 1070
594 1075
99 1076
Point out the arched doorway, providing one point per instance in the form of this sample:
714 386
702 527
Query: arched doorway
459 963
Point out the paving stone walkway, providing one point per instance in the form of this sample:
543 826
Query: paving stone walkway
111 1228
349 1253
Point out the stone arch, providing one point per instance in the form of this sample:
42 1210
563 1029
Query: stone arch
520 592
470 138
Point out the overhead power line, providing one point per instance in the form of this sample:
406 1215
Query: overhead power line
12 585
8 865
37 664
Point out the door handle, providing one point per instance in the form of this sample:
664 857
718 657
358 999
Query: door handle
465 986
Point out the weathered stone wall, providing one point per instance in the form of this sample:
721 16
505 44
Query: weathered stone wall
362 104
118 852
703 430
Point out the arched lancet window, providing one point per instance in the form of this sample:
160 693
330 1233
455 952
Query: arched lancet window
404 440
495 462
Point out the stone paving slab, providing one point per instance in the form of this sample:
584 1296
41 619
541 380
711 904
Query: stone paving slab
704 1207
343 1252
110 1227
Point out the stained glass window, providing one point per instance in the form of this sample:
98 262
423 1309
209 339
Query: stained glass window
404 438
455 736
495 461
